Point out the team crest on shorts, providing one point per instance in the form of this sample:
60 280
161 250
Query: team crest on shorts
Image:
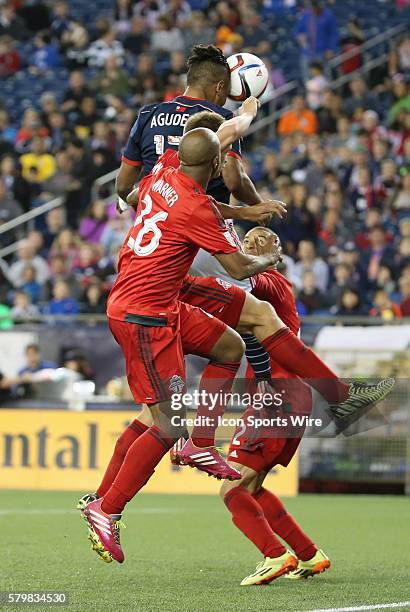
176 384
224 283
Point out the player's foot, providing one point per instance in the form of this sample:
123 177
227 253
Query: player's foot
85 500
362 396
175 452
316 565
104 531
271 568
207 459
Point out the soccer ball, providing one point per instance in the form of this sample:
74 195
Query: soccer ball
249 76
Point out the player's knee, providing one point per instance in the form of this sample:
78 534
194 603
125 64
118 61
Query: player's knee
235 349
266 313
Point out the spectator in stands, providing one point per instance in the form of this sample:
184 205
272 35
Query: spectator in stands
166 37
59 272
299 118
105 46
34 361
379 253
317 33
401 100
112 81
23 310
383 307
123 12
116 228
75 43
83 172
8 133
401 200
254 33
31 126
26 256
315 173
404 285
38 161
329 112
67 244
30 285
5 284
361 98
46 57
197 30
77 90
61 19
92 226
55 223
10 60
309 262
312 299
95 300
350 42
137 40
399 58
88 114
351 304
342 277
12 24
62 303
315 86
9 209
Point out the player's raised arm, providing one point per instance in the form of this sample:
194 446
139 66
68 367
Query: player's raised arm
235 128
240 266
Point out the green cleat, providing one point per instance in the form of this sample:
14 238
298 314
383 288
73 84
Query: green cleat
316 565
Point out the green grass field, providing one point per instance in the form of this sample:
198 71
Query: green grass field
183 554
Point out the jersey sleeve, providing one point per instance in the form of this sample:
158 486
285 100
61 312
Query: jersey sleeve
207 229
268 289
132 151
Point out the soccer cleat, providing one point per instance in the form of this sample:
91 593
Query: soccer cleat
316 565
362 397
207 459
104 531
85 500
175 452
271 568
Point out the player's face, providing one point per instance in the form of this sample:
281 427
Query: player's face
261 242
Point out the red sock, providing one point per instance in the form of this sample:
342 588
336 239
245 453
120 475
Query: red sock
287 350
217 377
285 525
248 517
128 436
138 466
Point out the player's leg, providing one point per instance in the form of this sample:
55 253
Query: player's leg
248 517
154 358
204 335
312 560
290 353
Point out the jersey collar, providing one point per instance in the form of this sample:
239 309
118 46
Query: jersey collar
191 98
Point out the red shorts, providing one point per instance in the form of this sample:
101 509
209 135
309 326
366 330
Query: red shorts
154 355
221 299
262 449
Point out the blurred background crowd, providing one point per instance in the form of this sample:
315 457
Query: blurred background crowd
73 77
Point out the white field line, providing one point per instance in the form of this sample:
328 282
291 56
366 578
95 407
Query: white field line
385 606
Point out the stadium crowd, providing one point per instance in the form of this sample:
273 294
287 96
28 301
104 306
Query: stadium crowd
340 159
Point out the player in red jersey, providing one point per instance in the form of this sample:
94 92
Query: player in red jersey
154 328
256 511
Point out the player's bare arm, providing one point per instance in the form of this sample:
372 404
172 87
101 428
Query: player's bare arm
260 213
240 266
239 183
235 128
127 176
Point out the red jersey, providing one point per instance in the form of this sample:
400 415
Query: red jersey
175 218
271 286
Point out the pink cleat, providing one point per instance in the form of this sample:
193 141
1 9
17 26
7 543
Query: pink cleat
175 452
105 528
207 459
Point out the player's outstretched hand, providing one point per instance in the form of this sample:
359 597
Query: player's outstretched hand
262 213
250 105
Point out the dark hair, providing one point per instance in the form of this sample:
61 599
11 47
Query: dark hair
317 65
207 64
32 347
204 119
